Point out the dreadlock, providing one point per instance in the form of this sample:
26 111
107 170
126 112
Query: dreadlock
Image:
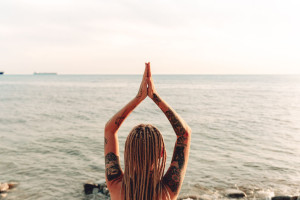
145 158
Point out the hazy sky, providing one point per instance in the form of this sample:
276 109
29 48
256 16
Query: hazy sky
176 36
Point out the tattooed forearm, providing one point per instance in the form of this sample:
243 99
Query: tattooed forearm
156 98
176 123
120 119
172 179
112 167
181 141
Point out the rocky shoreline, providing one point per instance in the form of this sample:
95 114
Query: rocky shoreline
6 187
100 188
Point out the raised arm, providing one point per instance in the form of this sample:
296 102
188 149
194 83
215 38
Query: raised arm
174 176
113 171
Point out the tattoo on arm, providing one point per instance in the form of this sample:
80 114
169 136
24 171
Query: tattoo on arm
105 141
181 141
178 156
172 179
173 176
120 119
156 99
176 123
112 167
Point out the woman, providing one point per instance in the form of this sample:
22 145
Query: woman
145 154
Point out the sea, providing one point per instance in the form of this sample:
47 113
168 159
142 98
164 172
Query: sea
245 132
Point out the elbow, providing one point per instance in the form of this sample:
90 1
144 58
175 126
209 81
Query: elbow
107 127
188 130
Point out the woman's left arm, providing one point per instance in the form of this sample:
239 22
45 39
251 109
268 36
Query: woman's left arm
113 171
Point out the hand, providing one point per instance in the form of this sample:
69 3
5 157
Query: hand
152 93
142 94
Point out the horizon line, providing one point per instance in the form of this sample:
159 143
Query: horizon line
58 74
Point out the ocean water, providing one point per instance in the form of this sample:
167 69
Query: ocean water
245 131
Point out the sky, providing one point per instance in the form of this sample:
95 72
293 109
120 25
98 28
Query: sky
176 36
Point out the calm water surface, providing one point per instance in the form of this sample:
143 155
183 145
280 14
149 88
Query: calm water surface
246 131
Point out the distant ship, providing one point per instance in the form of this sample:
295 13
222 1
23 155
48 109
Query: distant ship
44 73
1 73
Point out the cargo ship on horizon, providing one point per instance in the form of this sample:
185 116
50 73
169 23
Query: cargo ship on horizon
44 73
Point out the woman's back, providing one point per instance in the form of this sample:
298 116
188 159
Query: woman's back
117 193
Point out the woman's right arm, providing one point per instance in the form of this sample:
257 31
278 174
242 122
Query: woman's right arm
174 177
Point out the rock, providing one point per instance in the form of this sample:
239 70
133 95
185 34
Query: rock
3 195
101 182
105 191
283 198
93 188
102 186
206 197
89 188
4 187
12 185
233 193
189 197
196 197
264 195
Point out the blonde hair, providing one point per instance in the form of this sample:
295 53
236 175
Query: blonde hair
145 159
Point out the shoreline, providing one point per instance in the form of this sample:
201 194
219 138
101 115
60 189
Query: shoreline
100 188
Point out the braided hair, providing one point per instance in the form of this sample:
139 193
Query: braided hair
145 159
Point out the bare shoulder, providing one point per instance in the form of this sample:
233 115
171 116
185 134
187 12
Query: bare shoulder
115 191
166 193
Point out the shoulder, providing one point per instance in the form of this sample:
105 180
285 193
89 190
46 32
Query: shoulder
115 190
167 193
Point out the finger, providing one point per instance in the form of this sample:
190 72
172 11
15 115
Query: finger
150 83
144 85
151 80
145 82
149 89
148 70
